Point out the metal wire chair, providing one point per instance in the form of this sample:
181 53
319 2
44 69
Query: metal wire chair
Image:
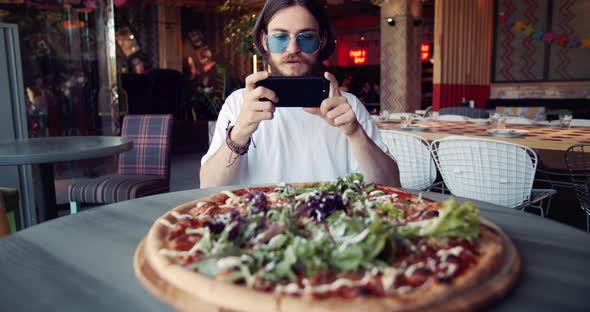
412 153
492 171
577 159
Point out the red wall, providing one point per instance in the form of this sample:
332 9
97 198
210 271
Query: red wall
446 95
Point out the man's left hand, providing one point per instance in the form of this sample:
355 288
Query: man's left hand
336 110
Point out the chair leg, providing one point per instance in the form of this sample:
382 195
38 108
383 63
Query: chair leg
73 207
548 205
4 224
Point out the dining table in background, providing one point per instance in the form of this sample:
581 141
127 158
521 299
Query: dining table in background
84 261
538 137
42 152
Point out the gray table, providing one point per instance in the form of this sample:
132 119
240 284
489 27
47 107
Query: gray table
42 152
84 262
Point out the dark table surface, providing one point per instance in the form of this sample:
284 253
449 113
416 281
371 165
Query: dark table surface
57 149
42 153
84 262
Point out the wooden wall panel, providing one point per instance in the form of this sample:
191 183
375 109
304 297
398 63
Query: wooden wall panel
463 41
463 32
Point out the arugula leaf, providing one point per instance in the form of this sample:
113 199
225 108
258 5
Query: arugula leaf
205 243
284 268
380 235
348 259
278 241
390 210
208 266
453 221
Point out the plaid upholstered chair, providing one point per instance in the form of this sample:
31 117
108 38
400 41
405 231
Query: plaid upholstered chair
143 170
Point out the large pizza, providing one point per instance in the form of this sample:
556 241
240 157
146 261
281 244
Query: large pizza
340 246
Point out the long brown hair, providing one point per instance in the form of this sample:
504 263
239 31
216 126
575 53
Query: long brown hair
315 7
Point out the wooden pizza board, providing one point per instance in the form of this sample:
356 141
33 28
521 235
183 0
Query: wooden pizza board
486 292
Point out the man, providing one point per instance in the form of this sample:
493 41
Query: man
294 144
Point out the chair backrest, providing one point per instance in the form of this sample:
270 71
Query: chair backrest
492 171
449 117
577 160
580 123
464 111
518 121
152 141
412 153
529 112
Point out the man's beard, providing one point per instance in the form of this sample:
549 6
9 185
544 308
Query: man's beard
313 67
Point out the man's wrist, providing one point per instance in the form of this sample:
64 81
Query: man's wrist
358 133
238 136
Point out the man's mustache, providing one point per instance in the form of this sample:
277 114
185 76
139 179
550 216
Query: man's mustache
293 58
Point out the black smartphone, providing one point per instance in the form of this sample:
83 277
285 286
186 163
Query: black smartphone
297 91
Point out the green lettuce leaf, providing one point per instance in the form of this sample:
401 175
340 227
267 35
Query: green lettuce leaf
390 210
348 259
453 221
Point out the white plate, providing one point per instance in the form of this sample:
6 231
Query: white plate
415 128
479 121
545 123
378 118
508 133
397 118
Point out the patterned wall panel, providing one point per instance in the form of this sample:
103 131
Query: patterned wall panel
535 91
400 59
521 57
571 17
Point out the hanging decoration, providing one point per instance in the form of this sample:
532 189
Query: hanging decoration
528 30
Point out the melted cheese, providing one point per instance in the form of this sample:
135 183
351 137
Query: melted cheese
451 268
388 278
412 268
306 196
176 253
354 240
443 254
201 204
230 194
166 222
228 262
172 253
431 264
375 193
404 289
346 194
293 288
179 216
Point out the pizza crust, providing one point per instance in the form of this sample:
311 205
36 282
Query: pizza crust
498 260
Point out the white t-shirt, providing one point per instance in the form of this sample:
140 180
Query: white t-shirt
294 146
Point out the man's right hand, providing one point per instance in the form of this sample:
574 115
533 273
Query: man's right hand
253 109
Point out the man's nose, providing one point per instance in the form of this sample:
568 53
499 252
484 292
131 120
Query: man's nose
293 47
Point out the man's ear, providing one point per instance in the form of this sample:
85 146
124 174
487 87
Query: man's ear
323 40
263 40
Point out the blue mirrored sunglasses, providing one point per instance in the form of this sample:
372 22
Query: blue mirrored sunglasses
308 42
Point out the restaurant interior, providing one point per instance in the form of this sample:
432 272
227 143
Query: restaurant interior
487 100
84 62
